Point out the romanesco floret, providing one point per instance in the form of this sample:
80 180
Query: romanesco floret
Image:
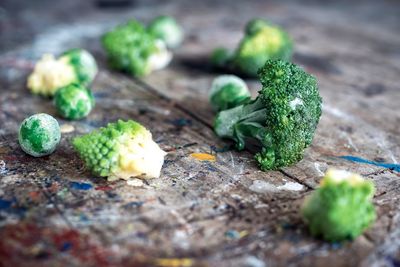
167 29
131 48
280 123
262 41
123 149
341 208
228 91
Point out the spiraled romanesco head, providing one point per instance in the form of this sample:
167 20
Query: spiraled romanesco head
123 149
341 207
50 74
131 48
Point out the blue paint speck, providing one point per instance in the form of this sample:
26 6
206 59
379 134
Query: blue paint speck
134 204
66 246
181 122
5 204
80 186
391 166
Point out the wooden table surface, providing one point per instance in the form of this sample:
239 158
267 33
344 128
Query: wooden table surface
199 213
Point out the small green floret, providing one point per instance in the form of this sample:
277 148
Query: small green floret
341 208
123 149
228 91
262 41
131 48
167 29
39 135
280 123
83 63
74 101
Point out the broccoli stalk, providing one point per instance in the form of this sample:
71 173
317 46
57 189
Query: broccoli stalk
341 207
280 123
123 149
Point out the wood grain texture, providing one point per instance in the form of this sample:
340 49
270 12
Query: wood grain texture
223 213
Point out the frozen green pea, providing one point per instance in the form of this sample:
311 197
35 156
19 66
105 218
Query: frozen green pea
228 91
39 135
74 101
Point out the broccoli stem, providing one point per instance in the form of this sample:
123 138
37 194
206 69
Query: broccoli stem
242 122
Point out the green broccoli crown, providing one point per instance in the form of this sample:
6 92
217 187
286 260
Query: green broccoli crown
83 63
228 91
167 29
74 101
261 42
280 123
341 208
123 149
129 48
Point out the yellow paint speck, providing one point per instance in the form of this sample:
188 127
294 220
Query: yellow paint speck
174 262
67 128
203 156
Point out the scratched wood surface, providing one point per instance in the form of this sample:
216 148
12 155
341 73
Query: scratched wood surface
222 213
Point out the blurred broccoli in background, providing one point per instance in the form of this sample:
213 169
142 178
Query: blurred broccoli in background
167 29
133 49
280 123
341 208
262 41
73 66
228 91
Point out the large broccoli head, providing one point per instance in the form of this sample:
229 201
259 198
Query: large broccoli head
280 123
131 48
262 41
341 207
123 150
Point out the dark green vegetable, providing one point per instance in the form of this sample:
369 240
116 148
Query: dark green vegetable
74 101
280 123
228 91
341 208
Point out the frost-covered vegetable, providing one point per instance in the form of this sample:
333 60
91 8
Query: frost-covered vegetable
39 135
83 63
280 123
228 91
73 66
131 48
167 29
262 41
74 101
341 208
123 149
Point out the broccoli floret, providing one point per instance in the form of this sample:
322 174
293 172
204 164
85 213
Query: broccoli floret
280 123
167 29
262 41
74 101
39 135
123 149
83 63
228 91
131 48
341 208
